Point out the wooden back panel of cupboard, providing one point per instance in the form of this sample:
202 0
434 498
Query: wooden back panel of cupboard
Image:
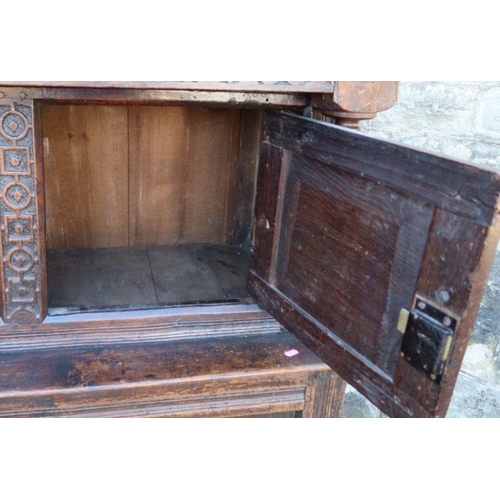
147 175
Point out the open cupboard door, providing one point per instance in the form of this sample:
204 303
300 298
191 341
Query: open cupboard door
375 255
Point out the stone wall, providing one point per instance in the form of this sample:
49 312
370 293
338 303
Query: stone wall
459 119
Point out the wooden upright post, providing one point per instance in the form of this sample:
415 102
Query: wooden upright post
22 239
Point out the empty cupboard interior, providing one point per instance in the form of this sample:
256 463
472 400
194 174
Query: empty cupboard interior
148 206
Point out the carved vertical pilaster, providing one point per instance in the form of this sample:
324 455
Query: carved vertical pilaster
23 275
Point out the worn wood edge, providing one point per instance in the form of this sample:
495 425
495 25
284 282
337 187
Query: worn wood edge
40 208
246 176
236 86
296 133
210 407
155 97
293 380
375 385
465 328
325 396
214 406
138 330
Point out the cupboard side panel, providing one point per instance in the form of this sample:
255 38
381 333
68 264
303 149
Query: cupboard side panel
86 180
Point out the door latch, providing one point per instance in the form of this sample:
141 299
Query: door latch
428 337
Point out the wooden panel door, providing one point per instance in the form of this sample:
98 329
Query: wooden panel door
375 255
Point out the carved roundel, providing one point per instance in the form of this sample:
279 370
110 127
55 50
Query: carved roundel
17 196
20 260
13 125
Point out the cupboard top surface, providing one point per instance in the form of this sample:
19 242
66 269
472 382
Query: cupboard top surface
237 86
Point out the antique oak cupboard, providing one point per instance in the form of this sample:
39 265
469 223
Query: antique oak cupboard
214 248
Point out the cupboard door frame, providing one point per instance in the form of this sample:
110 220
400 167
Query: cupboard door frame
438 249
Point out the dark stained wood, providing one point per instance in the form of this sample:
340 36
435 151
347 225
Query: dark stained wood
441 254
230 267
450 185
41 211
137 277
198 273
290 414
454 273
352 246
349 251
100 278
181 276
325 396
270 162
132 326
22 214
86 176
182 175
246 176
204 377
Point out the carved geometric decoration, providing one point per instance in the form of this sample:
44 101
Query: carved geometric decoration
14 161
13 126
22 290
17 196
20 243
19 228
20 260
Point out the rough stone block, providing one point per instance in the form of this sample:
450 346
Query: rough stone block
489 111
448 107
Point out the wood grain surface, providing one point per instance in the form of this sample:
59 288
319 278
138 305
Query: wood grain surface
211 377
141 176
139 277
357 229
86 176
182 175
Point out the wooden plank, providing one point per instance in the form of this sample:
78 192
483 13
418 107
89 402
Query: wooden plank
198 273
99 278
270 166
213 98
454 186
325 395
86 180
181 276
230 267
133 277
246 176
182 174
190 375
237 86
147 325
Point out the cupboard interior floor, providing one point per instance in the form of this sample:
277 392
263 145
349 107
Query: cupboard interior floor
145 277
